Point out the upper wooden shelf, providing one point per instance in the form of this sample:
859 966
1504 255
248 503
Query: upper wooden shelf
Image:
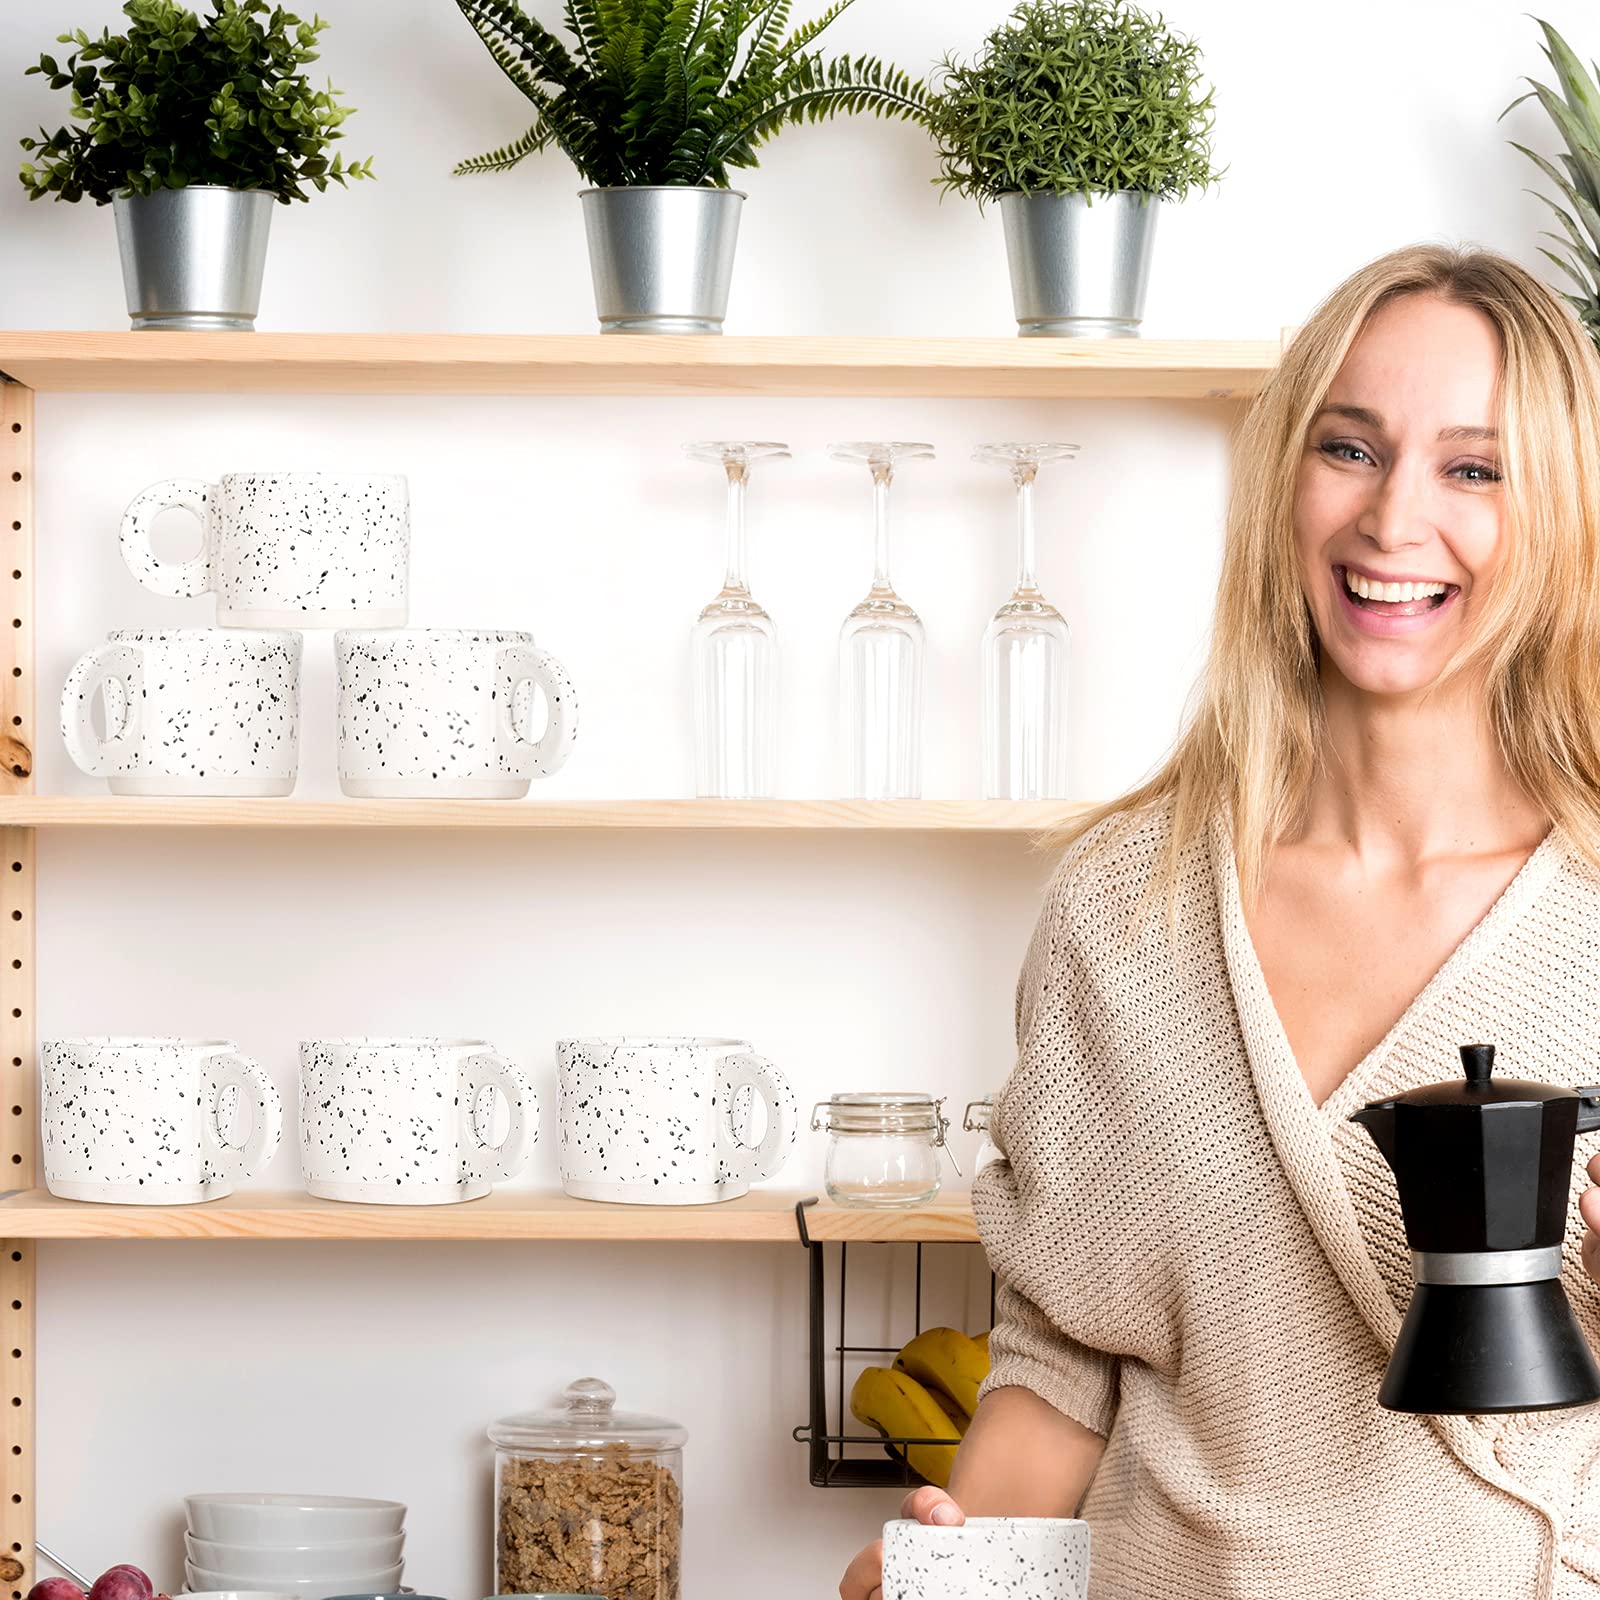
903 816
415 363
760 1217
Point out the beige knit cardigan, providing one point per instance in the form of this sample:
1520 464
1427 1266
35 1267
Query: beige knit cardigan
1198 1262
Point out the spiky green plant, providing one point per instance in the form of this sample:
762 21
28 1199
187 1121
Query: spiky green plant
674 91
1576 114
1075 97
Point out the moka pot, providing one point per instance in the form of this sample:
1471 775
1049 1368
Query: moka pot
1484 1171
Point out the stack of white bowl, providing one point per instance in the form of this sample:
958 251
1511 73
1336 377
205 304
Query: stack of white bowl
313 1545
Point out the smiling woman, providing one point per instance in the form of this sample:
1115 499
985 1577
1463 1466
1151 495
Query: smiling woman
1377 839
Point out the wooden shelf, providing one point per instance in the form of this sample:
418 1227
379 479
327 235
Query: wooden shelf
761 1217
572 364
901 816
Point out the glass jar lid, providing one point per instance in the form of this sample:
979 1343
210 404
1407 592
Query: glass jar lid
882 1112
979 1115
586 1421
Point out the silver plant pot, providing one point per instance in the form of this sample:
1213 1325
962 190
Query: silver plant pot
1079 263
193 258
662 258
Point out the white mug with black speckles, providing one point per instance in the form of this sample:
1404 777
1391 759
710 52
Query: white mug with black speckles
283 549
410 1121
434 712
187 711
154 1121
987 1558
659 1121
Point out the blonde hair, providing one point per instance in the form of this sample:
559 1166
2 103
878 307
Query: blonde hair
1253 742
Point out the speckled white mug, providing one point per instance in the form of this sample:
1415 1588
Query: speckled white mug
658 1121
408 1121
283 549
430 712
152 1121
188 711
987 1558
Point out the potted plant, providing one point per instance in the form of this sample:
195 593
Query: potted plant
1575 111
191 130
655 102
1079 117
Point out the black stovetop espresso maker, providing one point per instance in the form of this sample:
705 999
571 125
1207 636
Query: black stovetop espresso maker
1484 1170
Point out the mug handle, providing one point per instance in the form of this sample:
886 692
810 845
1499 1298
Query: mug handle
175 578
228 1070
495 1162
521 663
118 670
752 1163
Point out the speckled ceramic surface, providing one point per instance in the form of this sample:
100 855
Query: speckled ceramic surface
658 1122
187 711
154 1121
434 712
283 549
409 1121
988 1558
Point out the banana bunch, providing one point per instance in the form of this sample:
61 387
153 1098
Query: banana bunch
931 1392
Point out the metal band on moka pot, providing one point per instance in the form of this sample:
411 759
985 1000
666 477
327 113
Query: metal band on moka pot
1477 1269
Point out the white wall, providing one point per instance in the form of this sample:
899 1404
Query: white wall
855 962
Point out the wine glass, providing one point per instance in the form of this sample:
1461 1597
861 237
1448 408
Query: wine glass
881 651
1025 658
735 647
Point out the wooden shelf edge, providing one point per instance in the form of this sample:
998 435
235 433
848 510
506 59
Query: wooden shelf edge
908 816
758 1218
76 361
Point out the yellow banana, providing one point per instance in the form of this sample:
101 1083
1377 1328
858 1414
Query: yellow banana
947 1360
983 1341
898 1406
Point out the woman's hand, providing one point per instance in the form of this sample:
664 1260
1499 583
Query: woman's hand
1589 1210
863 1578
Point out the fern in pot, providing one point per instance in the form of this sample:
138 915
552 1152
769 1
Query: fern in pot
656 102
1079 117
192 130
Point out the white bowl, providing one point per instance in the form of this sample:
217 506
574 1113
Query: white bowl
374 1580
240 1594
279 1519
277 1563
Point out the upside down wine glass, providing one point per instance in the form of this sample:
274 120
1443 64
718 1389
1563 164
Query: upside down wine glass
881 651
1025 658
735 647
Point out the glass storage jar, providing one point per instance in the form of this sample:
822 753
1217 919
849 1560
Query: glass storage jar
979 1119
883 1149
588 1500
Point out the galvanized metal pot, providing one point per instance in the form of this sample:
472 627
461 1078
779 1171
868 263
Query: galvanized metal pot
662 257
1079 263
193 258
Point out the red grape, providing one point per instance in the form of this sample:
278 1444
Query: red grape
120 1583
55 1589
133 1571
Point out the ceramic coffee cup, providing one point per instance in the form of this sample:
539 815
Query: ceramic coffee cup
154 1121
657 1121
409 1121
428 712
987 1558
283 549
187 711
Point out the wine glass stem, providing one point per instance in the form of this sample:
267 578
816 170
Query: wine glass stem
881 478
734 578
1026 574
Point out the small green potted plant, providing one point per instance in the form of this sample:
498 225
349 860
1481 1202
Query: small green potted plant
1079 117
1575 111
655 102
191 130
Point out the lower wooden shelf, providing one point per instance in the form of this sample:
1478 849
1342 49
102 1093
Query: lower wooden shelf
765 1217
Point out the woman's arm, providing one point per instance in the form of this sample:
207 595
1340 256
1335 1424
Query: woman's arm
1021 1458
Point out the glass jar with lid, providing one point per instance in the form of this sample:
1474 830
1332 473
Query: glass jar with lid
980 1119
588 1499
883 1148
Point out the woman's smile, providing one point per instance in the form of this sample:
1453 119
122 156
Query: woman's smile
1383 604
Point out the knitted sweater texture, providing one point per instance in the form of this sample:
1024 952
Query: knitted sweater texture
1198 1262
